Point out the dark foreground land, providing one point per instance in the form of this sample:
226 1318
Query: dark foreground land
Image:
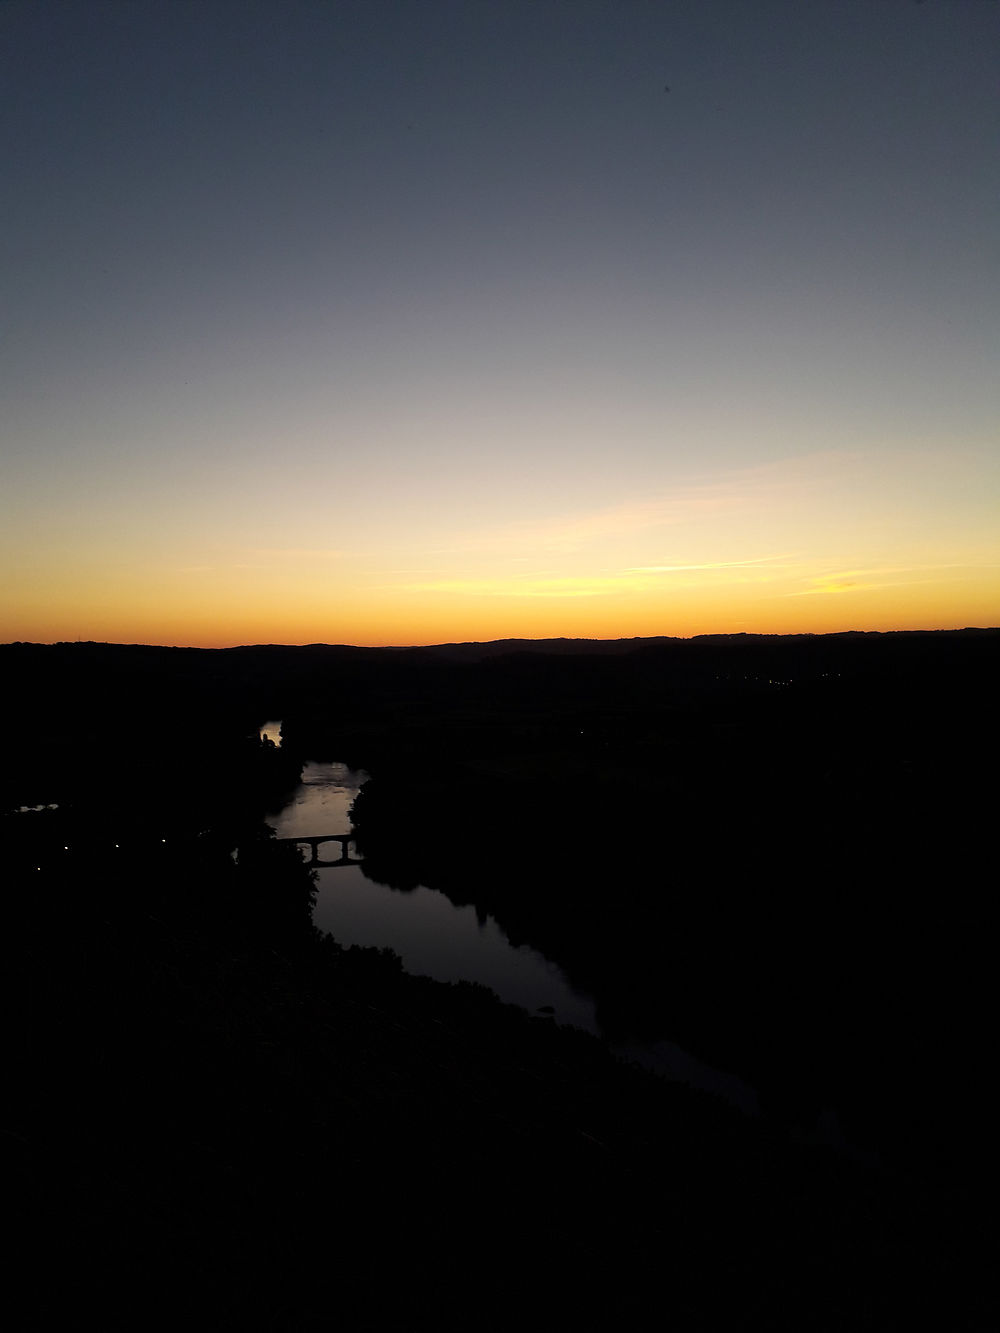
218 1117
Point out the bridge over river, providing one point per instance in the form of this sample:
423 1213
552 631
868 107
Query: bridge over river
314 842
142 846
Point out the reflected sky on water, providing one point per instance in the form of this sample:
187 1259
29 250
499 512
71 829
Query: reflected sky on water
432 936
436 938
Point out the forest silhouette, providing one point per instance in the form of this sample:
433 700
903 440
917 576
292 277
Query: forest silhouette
774 851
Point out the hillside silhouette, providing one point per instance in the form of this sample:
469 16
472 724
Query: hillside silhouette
775 851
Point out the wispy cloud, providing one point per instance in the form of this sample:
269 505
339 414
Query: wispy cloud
872 579
599 584
738 491
761 560
573 533
640 579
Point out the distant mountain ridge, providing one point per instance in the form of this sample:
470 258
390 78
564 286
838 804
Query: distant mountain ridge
501 647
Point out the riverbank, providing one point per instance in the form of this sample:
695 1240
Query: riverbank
221 1121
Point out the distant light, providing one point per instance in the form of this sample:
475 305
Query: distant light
163 839
116 844
65 849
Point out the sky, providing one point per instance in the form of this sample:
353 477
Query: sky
415 322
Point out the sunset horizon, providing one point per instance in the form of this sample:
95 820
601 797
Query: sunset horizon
390 325
500 587
510 638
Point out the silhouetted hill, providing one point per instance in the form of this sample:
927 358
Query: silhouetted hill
57 682
775 850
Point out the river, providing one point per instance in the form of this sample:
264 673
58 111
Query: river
435 938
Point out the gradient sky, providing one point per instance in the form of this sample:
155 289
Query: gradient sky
412 322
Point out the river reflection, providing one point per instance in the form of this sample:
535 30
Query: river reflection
432 936
321 803
436 938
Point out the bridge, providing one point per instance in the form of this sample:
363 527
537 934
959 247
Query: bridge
314 842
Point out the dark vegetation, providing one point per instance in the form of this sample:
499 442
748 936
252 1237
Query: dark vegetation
777 852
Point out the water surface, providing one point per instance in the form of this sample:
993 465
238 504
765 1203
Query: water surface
432 936
436 938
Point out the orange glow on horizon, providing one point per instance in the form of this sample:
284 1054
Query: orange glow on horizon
419 622
813 545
